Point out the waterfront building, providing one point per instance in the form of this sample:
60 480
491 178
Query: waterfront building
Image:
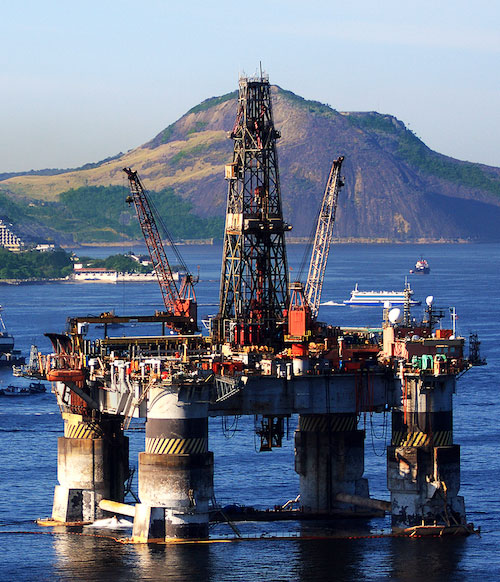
8 239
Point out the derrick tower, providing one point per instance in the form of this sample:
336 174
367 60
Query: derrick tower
254 277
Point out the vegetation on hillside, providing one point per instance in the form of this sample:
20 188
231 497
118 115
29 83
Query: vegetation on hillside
34 264
10 211
166 135
314 107
213 102
101 214
58 264
413 151
373 121
197 126
418 155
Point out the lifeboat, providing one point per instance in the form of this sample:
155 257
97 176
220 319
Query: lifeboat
65 375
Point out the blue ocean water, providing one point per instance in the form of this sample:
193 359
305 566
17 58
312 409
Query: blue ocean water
463 276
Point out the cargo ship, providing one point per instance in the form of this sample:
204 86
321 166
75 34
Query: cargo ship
370 298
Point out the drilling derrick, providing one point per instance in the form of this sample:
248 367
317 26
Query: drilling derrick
254 284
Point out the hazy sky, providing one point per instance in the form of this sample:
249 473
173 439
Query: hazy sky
83 80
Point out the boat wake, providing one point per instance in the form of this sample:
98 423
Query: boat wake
333 303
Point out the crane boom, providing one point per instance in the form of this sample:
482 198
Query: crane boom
323 238
181 304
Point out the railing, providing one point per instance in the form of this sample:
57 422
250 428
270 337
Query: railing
225 387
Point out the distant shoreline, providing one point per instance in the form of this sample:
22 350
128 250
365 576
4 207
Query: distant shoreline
290 240
136 243
68 281
387 241
33 281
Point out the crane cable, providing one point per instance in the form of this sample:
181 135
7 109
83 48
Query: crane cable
166 233
306 257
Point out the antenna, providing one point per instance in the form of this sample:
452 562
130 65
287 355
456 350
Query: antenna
453 312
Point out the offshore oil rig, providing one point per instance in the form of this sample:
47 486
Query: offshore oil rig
266 355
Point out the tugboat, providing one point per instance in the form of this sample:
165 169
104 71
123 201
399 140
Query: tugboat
421 267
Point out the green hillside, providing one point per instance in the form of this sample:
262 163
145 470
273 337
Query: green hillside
100 214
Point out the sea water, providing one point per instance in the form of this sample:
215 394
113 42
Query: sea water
465 277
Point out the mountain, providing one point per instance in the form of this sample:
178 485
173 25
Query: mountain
396 188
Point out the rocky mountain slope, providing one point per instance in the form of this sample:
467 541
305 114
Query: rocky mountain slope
396 189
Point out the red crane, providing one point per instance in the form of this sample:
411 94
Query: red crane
181 304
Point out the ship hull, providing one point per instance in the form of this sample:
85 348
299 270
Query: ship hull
375 302
6 343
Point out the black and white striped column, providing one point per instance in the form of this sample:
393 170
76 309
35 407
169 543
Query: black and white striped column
176 469
92 464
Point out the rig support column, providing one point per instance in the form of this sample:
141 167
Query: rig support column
176 470
423 464
92 464
329 457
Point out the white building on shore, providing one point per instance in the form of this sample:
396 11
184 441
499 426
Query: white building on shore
9 240
101 275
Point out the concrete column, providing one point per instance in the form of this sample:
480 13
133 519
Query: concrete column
92 464
423 464
176 470
329 457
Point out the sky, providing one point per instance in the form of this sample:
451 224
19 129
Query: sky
84 80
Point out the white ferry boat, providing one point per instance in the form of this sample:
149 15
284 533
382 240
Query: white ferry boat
379 297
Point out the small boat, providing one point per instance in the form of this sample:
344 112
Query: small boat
33 388
14 391
368 298
37 388
421 267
